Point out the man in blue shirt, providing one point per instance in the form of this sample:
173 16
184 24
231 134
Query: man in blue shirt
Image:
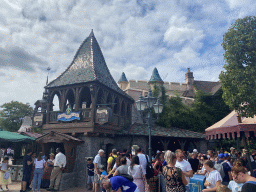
226 169
119 184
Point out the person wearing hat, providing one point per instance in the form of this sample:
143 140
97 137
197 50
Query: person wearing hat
226 177
227 159
233 153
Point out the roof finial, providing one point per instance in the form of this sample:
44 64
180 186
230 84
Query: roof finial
48 69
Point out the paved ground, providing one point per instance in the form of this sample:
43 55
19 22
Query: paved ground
15 187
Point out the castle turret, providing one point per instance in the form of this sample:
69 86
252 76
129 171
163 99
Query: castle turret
123 82
155 79
189 79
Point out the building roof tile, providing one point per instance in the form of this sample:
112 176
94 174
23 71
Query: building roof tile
142 129
88 65
155 76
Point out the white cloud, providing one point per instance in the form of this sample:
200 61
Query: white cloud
180 31
135 36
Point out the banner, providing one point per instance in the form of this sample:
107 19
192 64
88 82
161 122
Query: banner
68 115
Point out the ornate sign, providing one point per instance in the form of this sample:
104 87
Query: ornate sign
68 115
38 119
102 115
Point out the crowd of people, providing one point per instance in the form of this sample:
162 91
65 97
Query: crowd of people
223 171
39 171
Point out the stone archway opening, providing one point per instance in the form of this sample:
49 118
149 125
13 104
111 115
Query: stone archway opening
70 100
85 98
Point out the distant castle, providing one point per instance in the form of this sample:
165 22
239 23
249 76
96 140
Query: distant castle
185 90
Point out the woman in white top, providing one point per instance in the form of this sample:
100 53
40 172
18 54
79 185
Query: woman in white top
39 170
135 171
213 178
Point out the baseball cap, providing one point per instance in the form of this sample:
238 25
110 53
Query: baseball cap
221 155
231 148
226 155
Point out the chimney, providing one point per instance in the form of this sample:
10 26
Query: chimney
189 79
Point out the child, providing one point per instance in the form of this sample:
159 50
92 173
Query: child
90 167
5 176
103 175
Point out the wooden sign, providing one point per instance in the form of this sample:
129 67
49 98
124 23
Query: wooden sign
102 115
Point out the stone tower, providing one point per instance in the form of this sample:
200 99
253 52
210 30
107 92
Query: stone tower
123 82
155 79
189 79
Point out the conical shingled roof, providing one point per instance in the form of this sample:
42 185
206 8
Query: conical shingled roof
87 65
155 76
123 78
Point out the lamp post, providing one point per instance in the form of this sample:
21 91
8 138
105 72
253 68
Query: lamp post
145 103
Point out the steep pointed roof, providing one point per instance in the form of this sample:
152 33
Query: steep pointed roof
155 76
123 78
88 65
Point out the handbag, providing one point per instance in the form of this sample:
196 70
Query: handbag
149 169
129 177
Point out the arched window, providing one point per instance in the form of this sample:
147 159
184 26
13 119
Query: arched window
109 100
116 106
123 109
70 100
85 98
100 97
55 103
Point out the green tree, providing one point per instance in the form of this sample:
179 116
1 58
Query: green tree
12 114
238 81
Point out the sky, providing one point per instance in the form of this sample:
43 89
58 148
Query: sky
134 35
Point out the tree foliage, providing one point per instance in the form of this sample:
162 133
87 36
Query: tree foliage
238 81
204 112
12 114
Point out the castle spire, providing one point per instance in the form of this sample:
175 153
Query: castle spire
123 78
155 77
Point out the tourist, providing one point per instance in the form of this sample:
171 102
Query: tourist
39 163
111 160
239 173
47 171
203 170
97 163
225 170
90 178
233 185
233 153
184 166
59 165
103 175
223 188
27 168
213 178
119 184
123 169
143 160
174 177
117 164
5 176
128 161
227 159
9 152
135 171
194 162
157 165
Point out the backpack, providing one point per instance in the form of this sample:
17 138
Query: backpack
219 167
113 162
149 169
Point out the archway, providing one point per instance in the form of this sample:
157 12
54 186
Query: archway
70 99
55 102
174 145
85 98
100 97
123 109
116 106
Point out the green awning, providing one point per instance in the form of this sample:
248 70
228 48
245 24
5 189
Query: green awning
6 136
